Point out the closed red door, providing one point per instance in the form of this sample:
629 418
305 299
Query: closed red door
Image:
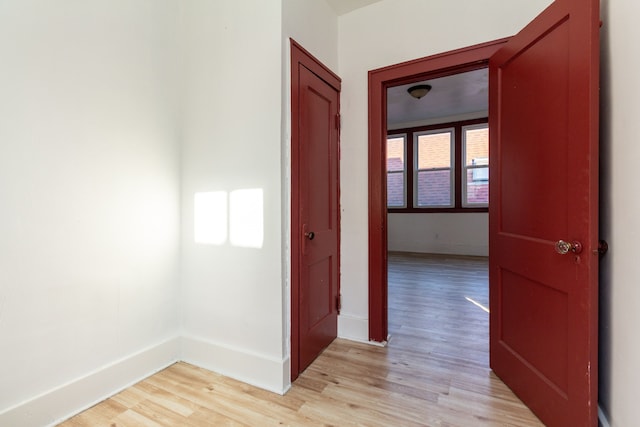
544 213
315 223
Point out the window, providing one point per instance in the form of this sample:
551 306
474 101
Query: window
475 143
444 168
396 171
434 171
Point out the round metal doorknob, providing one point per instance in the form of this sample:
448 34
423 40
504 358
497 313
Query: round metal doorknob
310 235
564 248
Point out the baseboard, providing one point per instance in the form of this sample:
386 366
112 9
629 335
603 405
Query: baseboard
446 249
57 405
256 369
353 328
602 418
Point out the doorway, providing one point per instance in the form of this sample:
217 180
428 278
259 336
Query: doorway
446 64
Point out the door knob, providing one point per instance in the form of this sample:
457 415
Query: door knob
310 235
564 248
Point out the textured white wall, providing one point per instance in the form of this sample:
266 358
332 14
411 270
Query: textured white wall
89 192
368 39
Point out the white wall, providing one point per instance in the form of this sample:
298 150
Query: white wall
97 97
314 25
620 210
445 233
382 34
232 297
89 178
235 301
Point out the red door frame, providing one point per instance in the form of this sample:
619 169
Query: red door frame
431 67
301 57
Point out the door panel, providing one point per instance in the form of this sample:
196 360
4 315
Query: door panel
315 209
320 276
528 213
535 314
543 113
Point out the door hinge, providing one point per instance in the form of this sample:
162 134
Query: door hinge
603 248
338 122
338 302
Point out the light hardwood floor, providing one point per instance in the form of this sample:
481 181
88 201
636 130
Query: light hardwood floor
434 371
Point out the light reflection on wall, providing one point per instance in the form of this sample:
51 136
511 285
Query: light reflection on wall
210 217
238 215
246 220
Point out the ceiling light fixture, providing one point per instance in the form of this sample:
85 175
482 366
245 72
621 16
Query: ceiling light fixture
419 91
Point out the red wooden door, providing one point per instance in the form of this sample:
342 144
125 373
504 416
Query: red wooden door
315 226
544 142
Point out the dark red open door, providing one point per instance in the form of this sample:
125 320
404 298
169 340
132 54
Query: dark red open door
315 227
544 148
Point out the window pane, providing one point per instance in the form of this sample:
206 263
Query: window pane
477 146
476 157
434 150
477 186
395 189
434 188
395 154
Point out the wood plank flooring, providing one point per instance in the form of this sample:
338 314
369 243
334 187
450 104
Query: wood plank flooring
434 372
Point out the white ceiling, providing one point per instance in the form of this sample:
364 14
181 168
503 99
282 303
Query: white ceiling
345 6
451 97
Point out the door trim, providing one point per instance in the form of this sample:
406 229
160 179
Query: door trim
431 67
301 57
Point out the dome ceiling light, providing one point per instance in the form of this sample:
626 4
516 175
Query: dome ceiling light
419 91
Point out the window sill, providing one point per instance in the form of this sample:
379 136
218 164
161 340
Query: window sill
438 210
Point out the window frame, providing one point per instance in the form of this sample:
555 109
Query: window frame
457 165
452 167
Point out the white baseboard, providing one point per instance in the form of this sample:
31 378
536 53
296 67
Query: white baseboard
353 328
444 249
256 369
57 405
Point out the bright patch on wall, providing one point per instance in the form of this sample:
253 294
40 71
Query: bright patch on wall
210 217
246 218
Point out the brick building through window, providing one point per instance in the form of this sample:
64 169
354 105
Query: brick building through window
438 167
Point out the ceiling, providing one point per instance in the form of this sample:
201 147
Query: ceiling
345 6
451 98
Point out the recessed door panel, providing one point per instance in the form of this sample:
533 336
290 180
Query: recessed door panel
534 178
320 188
534 325
319 288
